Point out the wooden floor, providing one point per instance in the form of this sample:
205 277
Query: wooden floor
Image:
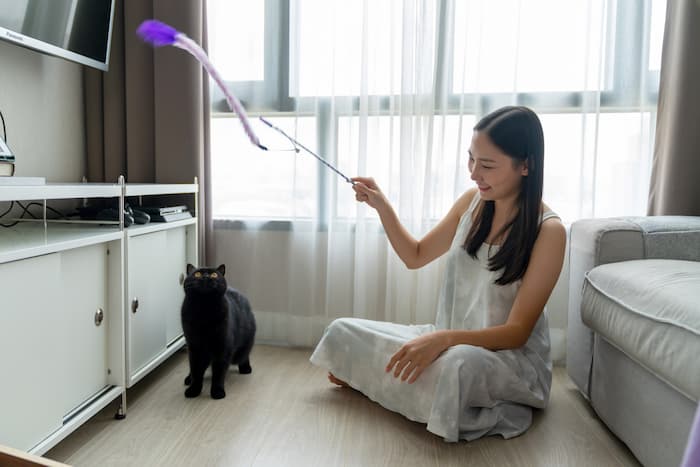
287 414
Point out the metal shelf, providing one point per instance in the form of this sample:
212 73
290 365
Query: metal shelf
59 191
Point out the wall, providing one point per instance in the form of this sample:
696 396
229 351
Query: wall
41 99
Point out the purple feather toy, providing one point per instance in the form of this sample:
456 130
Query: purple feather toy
160 34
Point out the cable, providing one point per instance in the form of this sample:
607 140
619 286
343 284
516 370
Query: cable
49 208
12 203
6 212
4 129
25 210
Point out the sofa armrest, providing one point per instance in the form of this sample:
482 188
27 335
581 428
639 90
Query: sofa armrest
670 237
599 241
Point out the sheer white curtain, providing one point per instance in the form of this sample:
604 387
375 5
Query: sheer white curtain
392 89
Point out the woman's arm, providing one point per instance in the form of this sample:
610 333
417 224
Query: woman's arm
414 253
540 277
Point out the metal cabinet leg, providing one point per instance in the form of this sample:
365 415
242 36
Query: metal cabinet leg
121 411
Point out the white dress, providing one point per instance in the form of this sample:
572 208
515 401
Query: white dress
468 392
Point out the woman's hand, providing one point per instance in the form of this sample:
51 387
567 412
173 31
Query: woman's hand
416 355
367 191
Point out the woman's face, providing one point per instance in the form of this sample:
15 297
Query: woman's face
494 172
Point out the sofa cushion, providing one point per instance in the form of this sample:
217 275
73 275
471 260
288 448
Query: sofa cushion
650 309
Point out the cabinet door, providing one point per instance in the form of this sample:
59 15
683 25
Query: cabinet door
30 350
84 295
146 337
174 267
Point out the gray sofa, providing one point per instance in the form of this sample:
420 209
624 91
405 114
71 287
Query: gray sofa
633 340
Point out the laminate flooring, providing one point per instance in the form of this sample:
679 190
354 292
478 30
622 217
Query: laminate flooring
286 413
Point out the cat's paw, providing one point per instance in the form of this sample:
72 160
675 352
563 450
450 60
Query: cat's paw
188 380
245 369
193 391
218 393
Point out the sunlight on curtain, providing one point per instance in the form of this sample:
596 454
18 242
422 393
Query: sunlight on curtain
392 89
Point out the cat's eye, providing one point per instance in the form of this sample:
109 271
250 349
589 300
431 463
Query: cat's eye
197 274
213 275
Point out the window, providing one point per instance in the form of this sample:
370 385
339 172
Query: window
276 184
590 68
510 46
237 46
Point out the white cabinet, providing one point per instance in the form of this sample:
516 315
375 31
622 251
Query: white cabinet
28 345
82 303
60 330
157 257
156 265
69 342
146 318
178 243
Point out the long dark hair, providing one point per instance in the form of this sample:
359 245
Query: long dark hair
517 132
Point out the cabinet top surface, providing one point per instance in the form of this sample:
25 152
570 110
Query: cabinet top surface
91 190
31 239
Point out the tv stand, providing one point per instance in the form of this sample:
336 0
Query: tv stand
88 309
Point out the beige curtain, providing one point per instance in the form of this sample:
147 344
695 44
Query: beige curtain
147 118
674 188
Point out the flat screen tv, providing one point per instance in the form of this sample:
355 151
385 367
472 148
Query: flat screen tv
76 30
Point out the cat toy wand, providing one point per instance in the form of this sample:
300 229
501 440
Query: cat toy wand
296 149
159 34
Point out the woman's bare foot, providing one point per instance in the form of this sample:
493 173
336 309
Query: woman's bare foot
337 381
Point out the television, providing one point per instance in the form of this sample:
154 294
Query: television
76 30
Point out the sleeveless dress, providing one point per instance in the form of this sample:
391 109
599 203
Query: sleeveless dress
468 391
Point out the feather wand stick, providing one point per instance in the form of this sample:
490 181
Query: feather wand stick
160 34
297 143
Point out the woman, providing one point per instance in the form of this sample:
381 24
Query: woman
485 363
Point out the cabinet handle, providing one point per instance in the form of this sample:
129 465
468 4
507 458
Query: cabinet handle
99 316
135 305
182 278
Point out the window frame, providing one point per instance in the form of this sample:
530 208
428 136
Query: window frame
628 76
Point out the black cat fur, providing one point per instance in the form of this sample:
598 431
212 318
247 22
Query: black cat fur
219 329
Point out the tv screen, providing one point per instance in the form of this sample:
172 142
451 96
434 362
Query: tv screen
77 30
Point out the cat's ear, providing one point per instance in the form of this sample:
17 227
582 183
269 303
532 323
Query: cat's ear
222 269
190 268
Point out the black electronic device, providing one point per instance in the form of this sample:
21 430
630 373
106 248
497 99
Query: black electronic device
101 213
112 214
171 216
162 210
141 217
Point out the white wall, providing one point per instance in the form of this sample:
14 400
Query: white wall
41 99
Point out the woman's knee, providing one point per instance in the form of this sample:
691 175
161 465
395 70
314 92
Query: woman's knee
465 357
340 325
341 329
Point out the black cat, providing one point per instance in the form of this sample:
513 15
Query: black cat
219 328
